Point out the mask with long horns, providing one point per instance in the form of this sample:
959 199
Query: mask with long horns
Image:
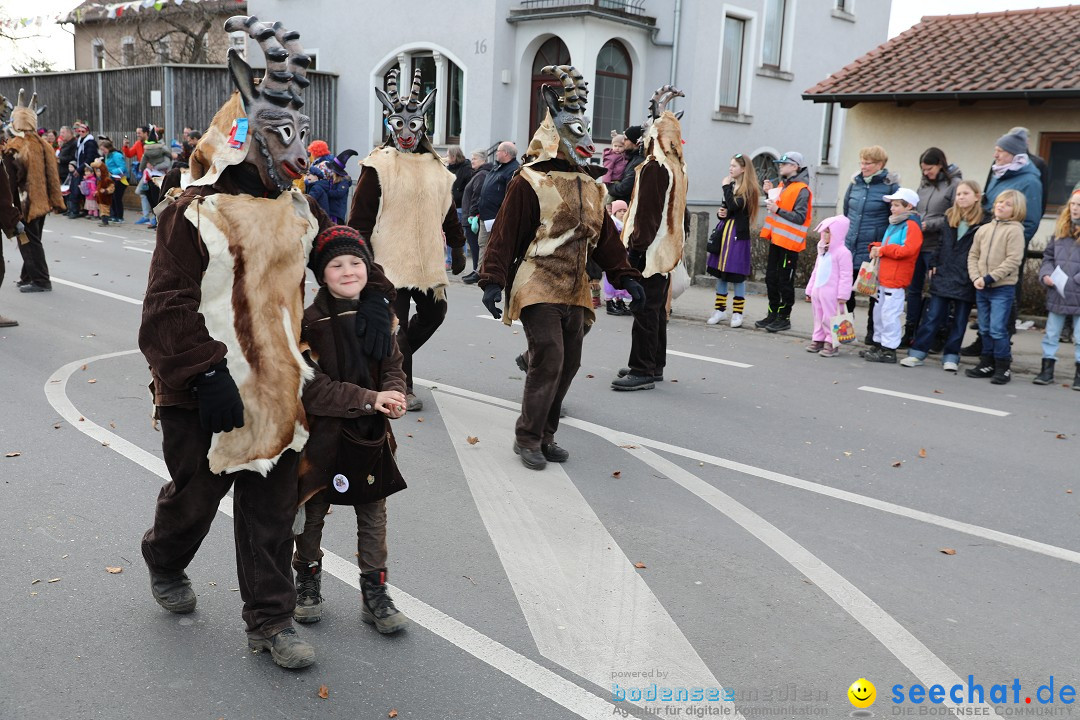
406 116
567 110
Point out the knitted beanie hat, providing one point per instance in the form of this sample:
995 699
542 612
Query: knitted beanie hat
1015 143
334 241
633 133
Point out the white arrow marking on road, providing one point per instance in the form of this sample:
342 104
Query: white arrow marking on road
80 237
586 605
935 401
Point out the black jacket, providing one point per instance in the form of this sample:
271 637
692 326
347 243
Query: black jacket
463 172
85 154
622 189
737 211
470 196
494 189
950 266
66 154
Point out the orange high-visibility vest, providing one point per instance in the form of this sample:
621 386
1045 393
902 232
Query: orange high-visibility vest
784 233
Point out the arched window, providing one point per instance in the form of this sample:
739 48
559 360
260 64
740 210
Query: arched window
766 167
611 100
552 52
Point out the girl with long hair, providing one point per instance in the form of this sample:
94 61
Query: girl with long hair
729 245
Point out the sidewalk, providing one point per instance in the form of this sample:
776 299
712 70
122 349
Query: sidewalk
696 305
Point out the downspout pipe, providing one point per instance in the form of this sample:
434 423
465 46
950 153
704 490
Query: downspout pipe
675 43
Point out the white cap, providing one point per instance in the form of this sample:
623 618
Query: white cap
909 196
795 158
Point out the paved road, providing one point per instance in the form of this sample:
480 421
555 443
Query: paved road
785 553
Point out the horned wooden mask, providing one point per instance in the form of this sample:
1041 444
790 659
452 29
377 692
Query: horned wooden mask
406 116
568 112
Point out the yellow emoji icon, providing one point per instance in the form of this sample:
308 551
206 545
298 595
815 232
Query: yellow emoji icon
862 693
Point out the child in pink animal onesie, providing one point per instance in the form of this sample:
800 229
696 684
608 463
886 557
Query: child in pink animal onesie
830 283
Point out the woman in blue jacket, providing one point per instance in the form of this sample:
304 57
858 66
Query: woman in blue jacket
868 212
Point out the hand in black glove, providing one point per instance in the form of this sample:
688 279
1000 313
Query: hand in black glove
457 260
636 258
637 293
220 406
492 295
373 324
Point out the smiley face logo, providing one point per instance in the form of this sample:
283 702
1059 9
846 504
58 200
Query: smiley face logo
862 693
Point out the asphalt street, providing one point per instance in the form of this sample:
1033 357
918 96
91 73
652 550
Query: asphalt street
766 524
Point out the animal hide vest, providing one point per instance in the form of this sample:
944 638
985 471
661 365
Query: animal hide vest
553 268
408 238
253 301
666 250
40 194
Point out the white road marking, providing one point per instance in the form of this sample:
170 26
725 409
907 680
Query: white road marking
935 401
706 358
98 232
541 680
918 658
499 320
128 247
627 439
87 288
589 610
45 230
80 237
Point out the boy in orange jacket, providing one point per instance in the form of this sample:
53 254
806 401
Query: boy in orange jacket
898 251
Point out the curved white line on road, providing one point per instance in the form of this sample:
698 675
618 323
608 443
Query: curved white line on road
621 438
510 662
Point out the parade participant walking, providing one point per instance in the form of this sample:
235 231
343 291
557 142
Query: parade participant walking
35 182
829 286
728 258
354 392
403 206
785 229
1061 267
654 234
547 285
220 330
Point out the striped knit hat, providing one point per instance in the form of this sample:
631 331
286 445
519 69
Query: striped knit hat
337 240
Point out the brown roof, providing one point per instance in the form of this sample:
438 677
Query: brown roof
1015 54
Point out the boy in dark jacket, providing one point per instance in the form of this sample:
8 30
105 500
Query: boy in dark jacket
358 384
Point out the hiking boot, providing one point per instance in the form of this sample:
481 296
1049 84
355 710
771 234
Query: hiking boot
984 369
376 606
286 648
413 403
309 594
553 453
781 323
872 354
972 350
829 350
717 317
623 372
522 365
8 322
912 361
883 355
1046 375
633 382
617 307
1002 373
816 346
173 592
765 321
531 458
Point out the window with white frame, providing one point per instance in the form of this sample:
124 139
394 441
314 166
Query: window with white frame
98 47
127 51
731 63
772 44
238 42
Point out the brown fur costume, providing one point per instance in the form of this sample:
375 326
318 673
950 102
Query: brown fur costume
34 162
105 186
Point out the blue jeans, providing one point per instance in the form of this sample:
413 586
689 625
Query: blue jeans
995 310
739 288
935 315
1054 324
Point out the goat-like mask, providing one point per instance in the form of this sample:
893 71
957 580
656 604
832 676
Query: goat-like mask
406 117
23 117
568 112
277 132
657 108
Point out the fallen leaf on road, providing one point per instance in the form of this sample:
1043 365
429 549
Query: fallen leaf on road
1068 492
12 454
419 419
114 570
92 381
35 582
105 444
847 454
674 381
55 580
947 551
392 713
1061 436
629 447
590 376
472 440
324 692
82 419
639 565
212 583
112 425
898 463
922 452
938 392
83 367
56 426
617 473
408 435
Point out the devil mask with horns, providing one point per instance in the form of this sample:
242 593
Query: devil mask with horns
406 117
264 128
567 112
662 125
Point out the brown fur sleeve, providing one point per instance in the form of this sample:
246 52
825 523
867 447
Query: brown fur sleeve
649 192
9 211
455 236
365 202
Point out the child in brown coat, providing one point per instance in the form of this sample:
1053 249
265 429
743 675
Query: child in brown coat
348 459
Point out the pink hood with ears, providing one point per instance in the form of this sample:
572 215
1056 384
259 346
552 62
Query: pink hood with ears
838 228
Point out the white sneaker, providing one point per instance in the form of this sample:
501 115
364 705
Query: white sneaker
911 361
950 366
736 320
716 317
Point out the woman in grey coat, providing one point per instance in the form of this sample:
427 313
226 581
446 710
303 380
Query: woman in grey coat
1061 264
936 192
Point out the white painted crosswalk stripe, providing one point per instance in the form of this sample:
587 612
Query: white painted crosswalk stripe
935 401
706 358
144 250
98 232
80 237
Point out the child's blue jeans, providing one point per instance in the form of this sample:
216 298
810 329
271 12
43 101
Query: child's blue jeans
995 310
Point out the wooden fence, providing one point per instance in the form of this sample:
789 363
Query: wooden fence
116 101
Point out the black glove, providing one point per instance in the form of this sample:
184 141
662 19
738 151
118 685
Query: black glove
636 259
373 324
220 406
492 295
637 293
457 260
